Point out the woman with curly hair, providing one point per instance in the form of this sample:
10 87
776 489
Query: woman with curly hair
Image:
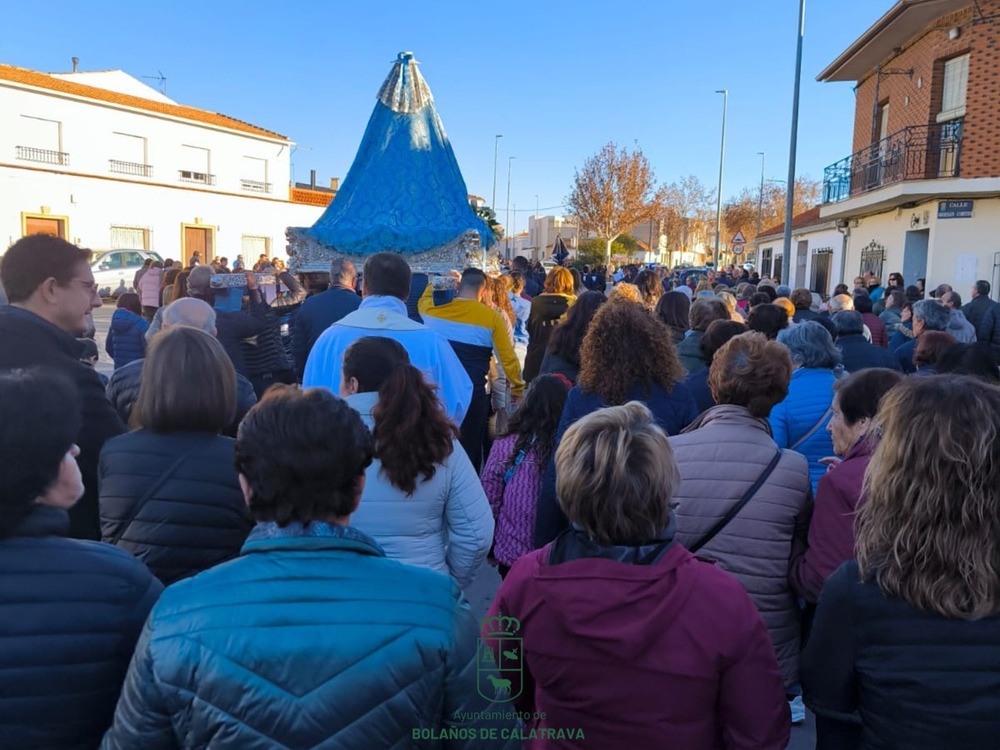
903 651
626 291
512 477
650 288
422 500
627 355
548 310
563 355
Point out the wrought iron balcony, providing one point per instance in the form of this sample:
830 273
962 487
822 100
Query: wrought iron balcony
919 152
130 168
43 155
201 178
253 186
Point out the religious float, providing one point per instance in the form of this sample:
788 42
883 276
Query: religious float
404 192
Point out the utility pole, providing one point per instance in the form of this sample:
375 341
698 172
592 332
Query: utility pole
722 161
793 141
496 153
760 211
510 161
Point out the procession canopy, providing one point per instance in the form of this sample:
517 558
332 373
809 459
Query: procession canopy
404 192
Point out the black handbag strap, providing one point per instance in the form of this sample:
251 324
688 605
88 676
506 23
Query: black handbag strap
734 511
146 497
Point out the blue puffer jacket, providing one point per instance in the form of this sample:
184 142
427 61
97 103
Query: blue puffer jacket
72 611
126 340
311 638
807 405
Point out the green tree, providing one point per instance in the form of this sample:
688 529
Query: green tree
489 216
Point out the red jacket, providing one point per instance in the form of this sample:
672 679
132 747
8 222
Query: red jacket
670 654
831 531
880 334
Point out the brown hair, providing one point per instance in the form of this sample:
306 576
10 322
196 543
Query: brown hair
302 453
560 281
616 475
801 298
930 346
626 346
704 311
930 531
751 371
188 384
413 435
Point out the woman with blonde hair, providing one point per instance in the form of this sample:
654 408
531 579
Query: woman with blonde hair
626 291
627 355
500 402
903 651
548 310
627 637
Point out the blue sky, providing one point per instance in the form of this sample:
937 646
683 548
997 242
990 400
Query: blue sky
556 78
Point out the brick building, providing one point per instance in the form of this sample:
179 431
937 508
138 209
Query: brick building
921 192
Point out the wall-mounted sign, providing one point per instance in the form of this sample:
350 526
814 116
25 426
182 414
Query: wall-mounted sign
822 251
955 209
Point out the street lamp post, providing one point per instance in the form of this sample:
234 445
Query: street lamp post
510 161
722 160
496 153
793 141
760 208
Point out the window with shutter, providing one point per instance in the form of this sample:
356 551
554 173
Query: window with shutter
956 83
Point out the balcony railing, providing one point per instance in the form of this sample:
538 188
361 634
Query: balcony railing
43 155
920 152
201 178
132 168
253 186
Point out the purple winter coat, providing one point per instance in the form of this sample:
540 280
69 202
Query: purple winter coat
720 456
831 531
514 504
670 654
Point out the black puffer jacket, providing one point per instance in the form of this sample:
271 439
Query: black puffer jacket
265 353
881 674
72 611
123 392
173 501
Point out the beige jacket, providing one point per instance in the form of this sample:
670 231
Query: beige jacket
720 456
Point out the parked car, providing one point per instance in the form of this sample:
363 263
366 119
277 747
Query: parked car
115 269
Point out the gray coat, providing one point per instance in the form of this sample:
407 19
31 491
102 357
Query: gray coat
720 456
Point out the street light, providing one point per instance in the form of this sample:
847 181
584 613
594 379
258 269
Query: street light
510 161
496 153
722 160
793 141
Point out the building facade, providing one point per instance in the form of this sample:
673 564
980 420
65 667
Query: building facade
920 194
816 261
106 162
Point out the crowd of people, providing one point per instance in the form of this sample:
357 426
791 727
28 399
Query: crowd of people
713 501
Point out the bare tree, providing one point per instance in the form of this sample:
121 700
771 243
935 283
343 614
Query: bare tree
740 212
615 190
687 213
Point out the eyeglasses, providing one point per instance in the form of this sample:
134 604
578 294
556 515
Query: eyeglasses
90 286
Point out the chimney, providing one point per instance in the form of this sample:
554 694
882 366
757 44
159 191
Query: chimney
334 183
312 179
76 64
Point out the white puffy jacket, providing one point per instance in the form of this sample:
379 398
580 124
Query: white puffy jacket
445 525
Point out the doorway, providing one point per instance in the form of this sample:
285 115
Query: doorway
821 273
43 224
915 255
801 256
776 275
197 238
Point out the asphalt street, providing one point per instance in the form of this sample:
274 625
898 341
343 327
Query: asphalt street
480 593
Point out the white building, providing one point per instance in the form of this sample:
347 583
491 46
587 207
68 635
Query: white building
105 161
817 258
542 233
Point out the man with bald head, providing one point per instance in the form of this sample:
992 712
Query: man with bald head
123 388
322 310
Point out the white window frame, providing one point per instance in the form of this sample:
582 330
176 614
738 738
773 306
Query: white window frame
955 89
122 228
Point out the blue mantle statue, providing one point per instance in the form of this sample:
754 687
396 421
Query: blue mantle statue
404 192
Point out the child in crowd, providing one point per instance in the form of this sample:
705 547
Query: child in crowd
512 477
126 340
